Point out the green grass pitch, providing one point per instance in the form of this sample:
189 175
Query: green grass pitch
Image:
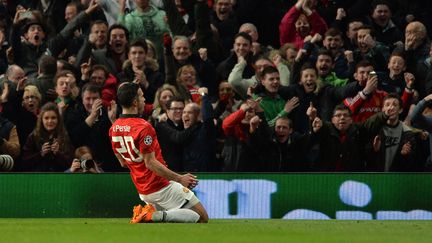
82 230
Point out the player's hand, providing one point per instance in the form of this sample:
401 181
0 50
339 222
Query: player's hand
188 180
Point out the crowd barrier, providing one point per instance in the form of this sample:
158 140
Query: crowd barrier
357 196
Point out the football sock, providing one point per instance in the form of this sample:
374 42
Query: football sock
181 215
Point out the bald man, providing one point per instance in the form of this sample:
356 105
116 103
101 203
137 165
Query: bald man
416 49
415 35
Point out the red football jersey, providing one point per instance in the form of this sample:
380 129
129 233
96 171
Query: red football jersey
131 137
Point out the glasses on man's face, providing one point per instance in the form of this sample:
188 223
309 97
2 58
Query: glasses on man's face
177 108
339 115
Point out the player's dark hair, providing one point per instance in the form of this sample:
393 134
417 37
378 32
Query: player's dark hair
126 94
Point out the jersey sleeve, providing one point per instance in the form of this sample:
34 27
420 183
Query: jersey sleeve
147 140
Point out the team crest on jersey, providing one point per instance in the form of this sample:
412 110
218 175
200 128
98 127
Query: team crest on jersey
148 140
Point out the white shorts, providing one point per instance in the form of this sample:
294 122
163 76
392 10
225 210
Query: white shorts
173 196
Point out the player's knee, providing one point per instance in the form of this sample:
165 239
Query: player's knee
203 220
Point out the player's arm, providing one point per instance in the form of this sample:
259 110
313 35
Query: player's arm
121 160
187 180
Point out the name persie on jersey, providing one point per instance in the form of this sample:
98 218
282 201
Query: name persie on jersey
118 128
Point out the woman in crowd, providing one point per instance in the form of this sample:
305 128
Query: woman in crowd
187 83
48 148
163 94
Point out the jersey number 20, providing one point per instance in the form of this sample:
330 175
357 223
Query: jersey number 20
126 147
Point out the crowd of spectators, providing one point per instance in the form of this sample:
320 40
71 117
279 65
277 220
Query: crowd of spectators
230 85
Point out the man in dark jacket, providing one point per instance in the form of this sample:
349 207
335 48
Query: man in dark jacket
342 142
180 55
386 31
200 153
45 80
242 47
28 52
281 148
88 124
225 21
396 144
137 70
172 136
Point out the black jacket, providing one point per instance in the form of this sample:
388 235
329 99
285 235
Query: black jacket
348 155
172 139
96 137
155 79
27 55
200 153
